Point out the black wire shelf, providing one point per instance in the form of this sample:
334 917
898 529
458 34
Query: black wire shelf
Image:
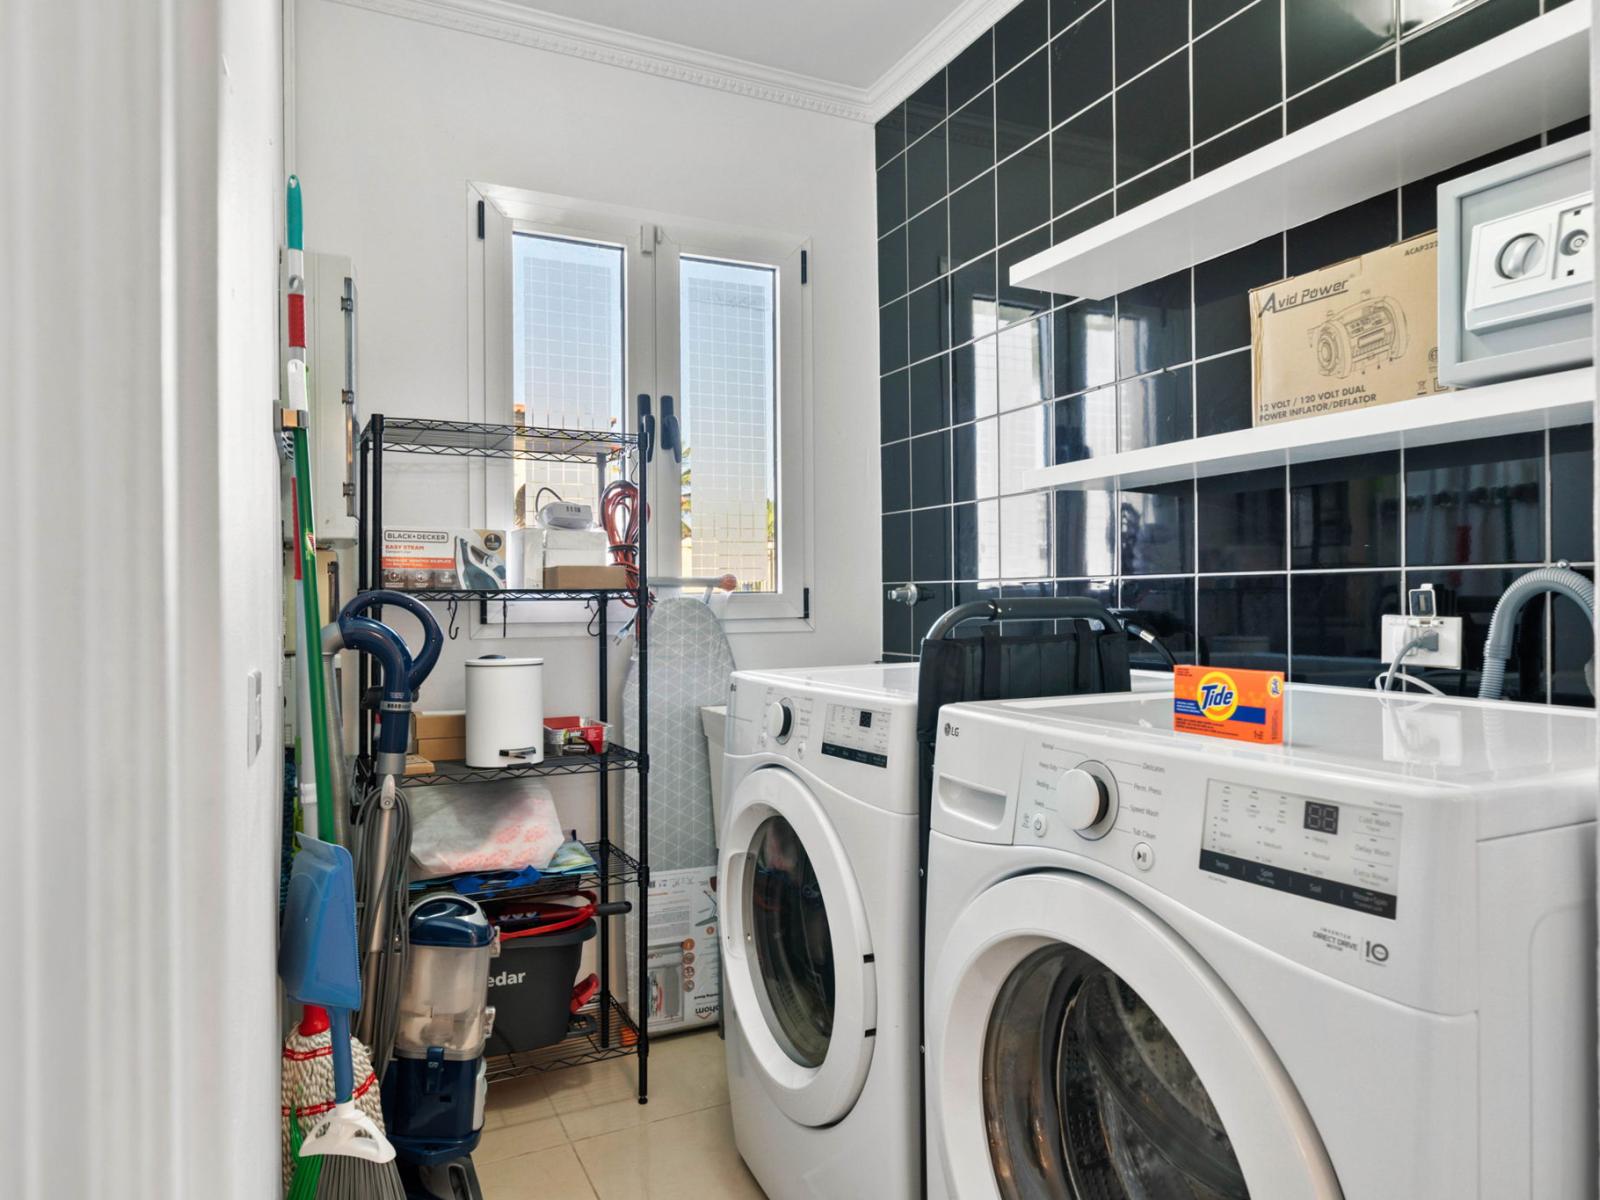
613 867
583 1044
485 595
465 439
613 758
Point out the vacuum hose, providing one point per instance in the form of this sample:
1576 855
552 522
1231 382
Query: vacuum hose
1559 579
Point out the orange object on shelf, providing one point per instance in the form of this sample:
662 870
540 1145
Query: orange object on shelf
1243 706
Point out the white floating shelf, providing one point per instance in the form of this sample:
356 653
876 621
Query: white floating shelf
1495 410
1523 82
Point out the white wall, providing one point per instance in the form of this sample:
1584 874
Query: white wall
137 435
395 117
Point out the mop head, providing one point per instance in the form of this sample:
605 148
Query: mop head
307 1083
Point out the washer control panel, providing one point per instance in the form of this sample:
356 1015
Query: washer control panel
1341 854
1064 789
857 734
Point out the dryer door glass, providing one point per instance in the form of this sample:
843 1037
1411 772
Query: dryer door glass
1087 1096
794 948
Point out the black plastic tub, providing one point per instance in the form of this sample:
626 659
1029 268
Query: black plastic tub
530 986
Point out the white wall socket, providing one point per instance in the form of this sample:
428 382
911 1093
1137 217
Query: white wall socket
1397 628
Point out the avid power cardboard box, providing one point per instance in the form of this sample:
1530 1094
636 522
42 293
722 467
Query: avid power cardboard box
1361 332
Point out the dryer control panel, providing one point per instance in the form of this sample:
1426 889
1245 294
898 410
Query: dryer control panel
857 734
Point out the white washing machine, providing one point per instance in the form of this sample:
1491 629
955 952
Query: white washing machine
818 870
1358 965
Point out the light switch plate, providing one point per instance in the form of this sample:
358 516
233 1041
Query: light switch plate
252 720
1397 628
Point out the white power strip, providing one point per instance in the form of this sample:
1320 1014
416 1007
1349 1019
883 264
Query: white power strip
1397 629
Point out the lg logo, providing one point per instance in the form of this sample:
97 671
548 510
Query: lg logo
1377 952
951 730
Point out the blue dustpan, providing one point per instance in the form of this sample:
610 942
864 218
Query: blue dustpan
317 958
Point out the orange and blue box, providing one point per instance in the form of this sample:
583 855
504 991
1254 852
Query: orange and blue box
1246 706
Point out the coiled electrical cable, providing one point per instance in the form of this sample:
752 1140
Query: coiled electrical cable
619 513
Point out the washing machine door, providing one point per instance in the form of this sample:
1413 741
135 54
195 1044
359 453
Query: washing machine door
1082 1050
796 952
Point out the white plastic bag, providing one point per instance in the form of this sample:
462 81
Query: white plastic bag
462 829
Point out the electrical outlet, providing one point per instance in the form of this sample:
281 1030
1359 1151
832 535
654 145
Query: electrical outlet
1397 628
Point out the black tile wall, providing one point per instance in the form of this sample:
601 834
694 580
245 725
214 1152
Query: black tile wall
1063 114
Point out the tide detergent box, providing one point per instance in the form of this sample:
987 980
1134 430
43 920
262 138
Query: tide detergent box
1246 706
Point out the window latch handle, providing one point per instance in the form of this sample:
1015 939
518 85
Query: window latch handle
669 430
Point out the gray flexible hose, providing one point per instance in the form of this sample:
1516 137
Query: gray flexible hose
1560 580
383 854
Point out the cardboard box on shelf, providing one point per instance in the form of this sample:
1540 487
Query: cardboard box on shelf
575 578
440 724
417 765
1359 333
443 749
421 560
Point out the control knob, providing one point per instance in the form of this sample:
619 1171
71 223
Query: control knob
1084 799
780 720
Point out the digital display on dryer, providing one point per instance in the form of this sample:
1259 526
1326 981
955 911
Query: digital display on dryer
857 735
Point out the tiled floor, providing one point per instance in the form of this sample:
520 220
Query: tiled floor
580 1134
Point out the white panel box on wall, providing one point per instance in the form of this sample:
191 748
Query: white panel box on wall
1516 267
331 385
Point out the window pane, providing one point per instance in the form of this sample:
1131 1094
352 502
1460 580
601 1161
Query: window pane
568 364
728 314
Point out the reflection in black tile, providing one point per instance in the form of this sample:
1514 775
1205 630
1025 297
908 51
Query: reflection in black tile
889 135
1086 535
1081 157
1572 493
972 300
1156 528
930 400
1153 117
1345 512
1341 91
1236 143
1571 650
1241 523
1472 596
1019 33
977 540
933 601
1154 183
1080 65
892 194
930 544
1462 32
1222 294
972 220
926 180
1085 344
1324 36
970 71
1022 105
930 471
976 452
1476 502
1209 12
972 380
1025 362
1243 621
895 474
1026 551
928 255
1419 201
896 623
1023 201
930 319
1153 325
1359 229
1336 622
1025 435
1236 71
1086 425
1083 218
925 108
971 137
894 407
1166 608
1147 31
897 546
1066 12
1222 397
891 265
892 336
1020 302
1155 409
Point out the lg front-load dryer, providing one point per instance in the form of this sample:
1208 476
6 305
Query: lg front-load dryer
818 869
1358 965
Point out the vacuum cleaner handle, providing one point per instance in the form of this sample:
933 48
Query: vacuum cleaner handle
1030 608
432 636
384 644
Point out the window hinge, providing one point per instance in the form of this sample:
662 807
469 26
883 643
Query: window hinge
480 220
805 267
805 602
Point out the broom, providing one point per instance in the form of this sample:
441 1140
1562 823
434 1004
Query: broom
308 1084
357 1160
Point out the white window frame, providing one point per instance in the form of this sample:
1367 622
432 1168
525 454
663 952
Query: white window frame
652 246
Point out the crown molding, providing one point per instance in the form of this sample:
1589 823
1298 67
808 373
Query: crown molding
513 22
941 44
